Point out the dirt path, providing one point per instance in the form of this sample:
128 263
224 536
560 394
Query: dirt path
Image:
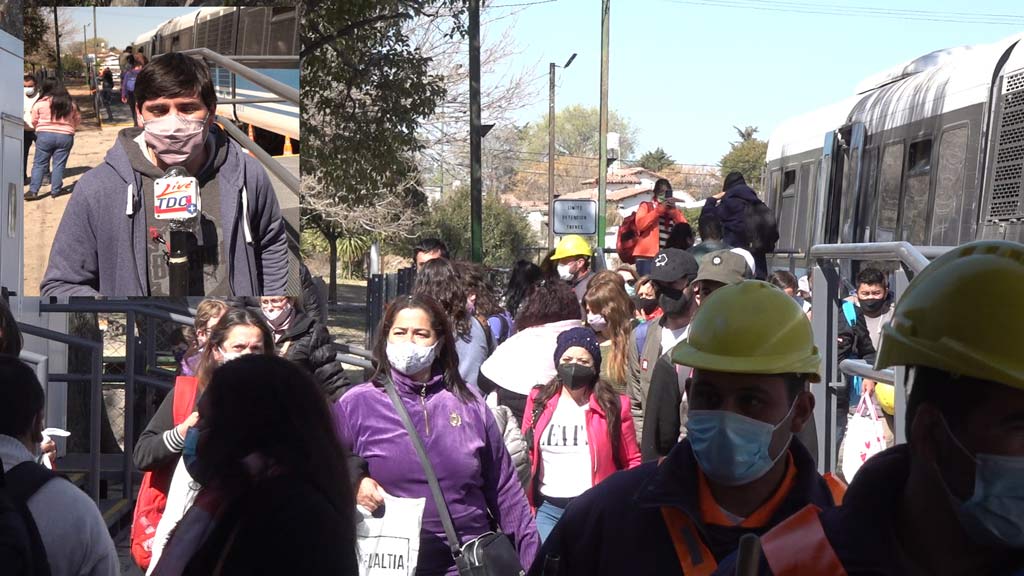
43 214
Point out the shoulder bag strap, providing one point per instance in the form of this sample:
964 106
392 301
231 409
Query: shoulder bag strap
435 488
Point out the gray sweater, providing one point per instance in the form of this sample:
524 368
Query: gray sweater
73 532
101 244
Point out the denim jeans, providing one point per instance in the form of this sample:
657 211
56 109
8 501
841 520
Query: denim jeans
547 516
55 145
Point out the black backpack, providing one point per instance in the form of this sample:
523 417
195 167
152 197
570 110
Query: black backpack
21 547
762 228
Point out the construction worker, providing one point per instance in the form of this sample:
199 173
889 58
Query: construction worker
572 257
951 500
740 469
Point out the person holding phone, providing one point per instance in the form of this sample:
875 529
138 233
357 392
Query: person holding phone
654 222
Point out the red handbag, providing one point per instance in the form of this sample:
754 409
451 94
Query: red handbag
152 499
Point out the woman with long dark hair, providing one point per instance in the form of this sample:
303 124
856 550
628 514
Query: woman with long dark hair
524 276
239 332
415 352
579 429
55 117
438 280
276 496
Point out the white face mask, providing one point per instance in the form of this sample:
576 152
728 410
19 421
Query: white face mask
30 91
276 317
229 356
410 358
597 322
564 272
175 138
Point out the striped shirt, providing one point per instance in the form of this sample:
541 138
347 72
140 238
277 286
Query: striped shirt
665 225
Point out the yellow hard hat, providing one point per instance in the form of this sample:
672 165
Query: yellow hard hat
572 245
963 314
750 328
886 394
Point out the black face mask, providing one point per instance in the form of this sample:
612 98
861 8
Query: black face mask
872 306
673 301
576 376
647 305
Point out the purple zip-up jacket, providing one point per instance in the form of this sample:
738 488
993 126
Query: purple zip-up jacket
467 452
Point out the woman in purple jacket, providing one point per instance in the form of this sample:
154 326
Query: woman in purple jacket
415 348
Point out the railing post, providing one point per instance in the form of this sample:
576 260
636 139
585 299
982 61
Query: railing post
900 285
129 404
95 405
823 325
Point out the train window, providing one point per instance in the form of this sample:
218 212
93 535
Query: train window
282 32
889 189
919 159
787 210
949 187
253 31
806 188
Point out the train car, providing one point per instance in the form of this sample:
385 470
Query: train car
12 170
930 152
264 39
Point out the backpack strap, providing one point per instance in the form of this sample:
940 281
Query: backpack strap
185 390
850 312
487 333
505 328
798 546
22 482
694 557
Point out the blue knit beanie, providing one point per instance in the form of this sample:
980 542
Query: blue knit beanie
584 338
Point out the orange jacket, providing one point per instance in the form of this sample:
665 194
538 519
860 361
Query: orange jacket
647 215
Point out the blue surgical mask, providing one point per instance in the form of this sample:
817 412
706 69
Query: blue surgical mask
994 514
630 290
730 448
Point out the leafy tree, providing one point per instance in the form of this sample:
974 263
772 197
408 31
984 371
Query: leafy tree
577 132
656 160
506 231
746 157
35 28
365 90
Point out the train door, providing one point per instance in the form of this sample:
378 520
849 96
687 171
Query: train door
841 175
11 220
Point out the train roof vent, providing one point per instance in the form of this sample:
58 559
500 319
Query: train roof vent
1008 169
915 66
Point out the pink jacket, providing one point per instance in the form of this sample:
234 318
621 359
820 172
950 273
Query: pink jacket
597 436
43 122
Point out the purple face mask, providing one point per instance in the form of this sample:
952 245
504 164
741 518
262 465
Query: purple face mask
174 139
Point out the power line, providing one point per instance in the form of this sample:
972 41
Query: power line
859 11
538 2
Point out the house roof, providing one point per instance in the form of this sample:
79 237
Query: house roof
613 195
625 176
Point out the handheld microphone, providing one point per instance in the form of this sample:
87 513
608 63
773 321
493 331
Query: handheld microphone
176 198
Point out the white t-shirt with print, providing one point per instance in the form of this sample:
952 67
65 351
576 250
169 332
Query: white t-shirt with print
565 451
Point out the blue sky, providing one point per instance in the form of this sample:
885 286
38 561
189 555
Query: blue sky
685 72
121 26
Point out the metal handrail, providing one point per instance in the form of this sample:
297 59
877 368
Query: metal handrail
277 87
865 370
916 258
354 361
114 307
286 177
95 394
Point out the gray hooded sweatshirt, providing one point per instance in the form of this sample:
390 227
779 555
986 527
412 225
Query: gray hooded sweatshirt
101 247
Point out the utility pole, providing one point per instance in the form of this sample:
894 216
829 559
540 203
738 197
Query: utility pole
56 34
475 179
551 157
602 178
95 40
551 151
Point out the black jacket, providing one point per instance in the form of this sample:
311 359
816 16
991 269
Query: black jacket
152 449
617 527
308 344
731 210
854 342
284 526
663 411
862 531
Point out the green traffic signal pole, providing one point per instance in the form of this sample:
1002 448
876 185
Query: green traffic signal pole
475 180
602 178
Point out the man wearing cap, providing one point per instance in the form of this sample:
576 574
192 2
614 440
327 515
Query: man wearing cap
740 469
951 500
572 257
665 407
672 274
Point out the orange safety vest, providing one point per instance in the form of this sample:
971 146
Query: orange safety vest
798 547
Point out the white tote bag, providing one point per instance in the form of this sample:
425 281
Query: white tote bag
865 437
389 545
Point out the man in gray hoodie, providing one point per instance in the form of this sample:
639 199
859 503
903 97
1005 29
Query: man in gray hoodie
110 243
